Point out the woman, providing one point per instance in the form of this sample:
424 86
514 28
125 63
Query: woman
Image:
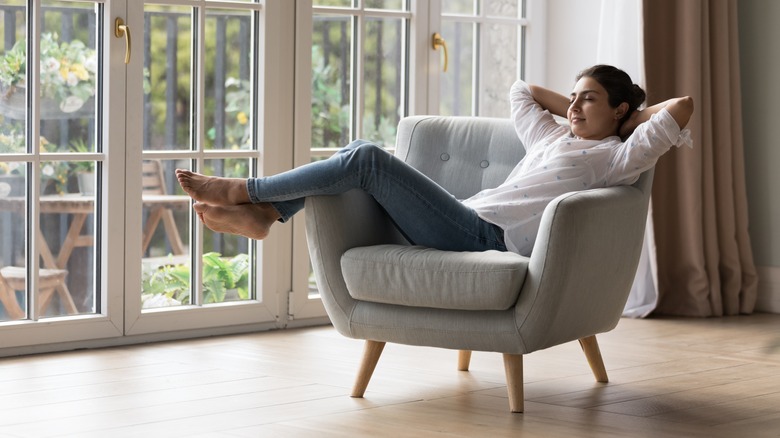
602 109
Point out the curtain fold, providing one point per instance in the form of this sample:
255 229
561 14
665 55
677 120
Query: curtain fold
705 262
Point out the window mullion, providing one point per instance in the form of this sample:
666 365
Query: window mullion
476 68
34 168
199 75
358 35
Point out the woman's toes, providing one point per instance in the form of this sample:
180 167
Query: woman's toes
200 207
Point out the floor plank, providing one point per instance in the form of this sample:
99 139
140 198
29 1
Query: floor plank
668 377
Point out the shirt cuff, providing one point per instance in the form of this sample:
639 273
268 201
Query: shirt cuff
684 139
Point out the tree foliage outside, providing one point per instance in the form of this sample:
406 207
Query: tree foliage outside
332 70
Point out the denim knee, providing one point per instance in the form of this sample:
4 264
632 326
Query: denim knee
371 151
355 145
364 154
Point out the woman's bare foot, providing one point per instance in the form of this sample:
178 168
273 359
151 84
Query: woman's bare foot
249 220
213 190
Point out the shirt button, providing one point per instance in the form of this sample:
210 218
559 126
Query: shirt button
445 156
484 164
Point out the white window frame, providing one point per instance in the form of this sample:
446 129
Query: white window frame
284 258
34 334
267 310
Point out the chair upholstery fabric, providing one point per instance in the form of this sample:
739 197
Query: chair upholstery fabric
425 277
578 276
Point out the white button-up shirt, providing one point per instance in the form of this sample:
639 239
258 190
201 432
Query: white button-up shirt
556 163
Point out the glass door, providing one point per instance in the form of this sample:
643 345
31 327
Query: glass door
352 81
61 137
198 91
480 48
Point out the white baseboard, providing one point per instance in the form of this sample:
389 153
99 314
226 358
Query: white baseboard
768 289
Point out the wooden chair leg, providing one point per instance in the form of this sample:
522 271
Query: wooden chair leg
513 366
155 215
464 359
67 299
8 299
591 348
169 223
44 299
371 353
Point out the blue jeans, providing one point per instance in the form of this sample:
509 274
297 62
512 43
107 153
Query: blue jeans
423 211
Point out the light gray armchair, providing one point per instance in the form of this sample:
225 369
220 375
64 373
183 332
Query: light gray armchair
378 288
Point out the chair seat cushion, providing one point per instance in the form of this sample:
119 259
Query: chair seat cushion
424 277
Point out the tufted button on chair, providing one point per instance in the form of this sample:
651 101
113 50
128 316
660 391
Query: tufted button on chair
378 288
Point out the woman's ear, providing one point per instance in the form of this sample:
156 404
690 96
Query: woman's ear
621 110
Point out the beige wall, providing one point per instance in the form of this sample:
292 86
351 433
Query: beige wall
759 36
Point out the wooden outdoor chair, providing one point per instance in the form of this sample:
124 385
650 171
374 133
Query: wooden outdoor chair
13 278
154 184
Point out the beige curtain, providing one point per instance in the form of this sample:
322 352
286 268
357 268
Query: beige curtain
705 263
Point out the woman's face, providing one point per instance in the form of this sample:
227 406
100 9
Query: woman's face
589 114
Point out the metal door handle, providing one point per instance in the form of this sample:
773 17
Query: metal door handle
122 30
438 41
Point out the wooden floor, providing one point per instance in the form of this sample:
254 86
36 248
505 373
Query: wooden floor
669 377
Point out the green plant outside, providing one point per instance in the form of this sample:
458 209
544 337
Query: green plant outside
220 274
81 147
57 175
328 115
68 69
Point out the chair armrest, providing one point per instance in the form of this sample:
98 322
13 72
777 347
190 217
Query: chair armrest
335 224
584 261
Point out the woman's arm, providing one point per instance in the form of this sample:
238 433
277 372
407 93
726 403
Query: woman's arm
680 108
556 104
533 122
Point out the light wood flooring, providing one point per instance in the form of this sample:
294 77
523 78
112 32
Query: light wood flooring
668 377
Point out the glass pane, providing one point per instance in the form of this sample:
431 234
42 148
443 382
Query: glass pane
499 68
13 70
226 261
68 95
467 7
395 5
166 231
457 84
382 79
502 8
12 137
228 90
167 45
338 3
13 299
331 81
69 81
67 240
68 75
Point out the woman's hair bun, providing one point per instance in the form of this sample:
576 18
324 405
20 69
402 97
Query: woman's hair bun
639 95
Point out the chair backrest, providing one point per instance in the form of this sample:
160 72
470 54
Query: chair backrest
462 154
152 181
467 154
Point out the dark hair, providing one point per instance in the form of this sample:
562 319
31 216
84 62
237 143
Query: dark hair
619 87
